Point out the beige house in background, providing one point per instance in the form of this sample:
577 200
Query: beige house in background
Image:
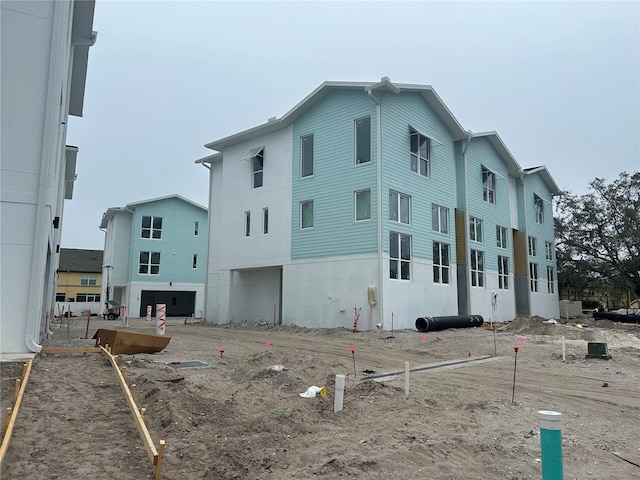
79 280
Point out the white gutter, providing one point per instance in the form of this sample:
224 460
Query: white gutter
467 242
379 203
206 274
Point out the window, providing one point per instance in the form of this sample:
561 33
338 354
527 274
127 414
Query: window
306 214
488 186
88 279
533 247
60 297
551 285
533 277
440 263
477 268
306 155
151 227
195 229
501 237
420 152
363 140
257 167
247 224
399 207
439 218
149 263
539 205
503 272
194 261
87 297
548 250
265 221
363 205
399 256
475 229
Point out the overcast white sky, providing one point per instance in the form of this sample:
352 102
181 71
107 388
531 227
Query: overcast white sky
560 83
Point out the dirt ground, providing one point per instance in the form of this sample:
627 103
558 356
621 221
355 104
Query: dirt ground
238 419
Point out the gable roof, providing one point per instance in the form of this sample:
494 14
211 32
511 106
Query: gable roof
79 260
546 178
130 207
275 124
496 142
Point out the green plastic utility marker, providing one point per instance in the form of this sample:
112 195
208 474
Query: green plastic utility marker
551 444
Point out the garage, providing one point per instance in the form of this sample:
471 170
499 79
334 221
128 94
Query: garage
179 303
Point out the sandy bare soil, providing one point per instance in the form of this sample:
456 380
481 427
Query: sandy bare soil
237 419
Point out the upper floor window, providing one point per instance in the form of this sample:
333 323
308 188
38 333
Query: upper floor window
548 250
420 152
265 221
247 224
488 186
306 214
501 237
88 279
151 227
196 228
477 268
194 261
539 205
475 229
503 272
306 155
551 284
399 205
257 167
533 246
399 256
533 277
439 218
363 140
440 263
363 205
149 263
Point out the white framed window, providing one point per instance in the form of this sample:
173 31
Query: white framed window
533 246
247 224
399 256
196 228
439 218
194 261
306 155
88 279
257 168
151 227
420 146
477 268
362 128
502 239
533 277
551 280
441 263
539 206
362 204
548 250
265 221
475 229
399 207
488 186
149 263
306 214
503 272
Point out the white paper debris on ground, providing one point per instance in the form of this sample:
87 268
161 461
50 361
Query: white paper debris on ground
311 392
277 368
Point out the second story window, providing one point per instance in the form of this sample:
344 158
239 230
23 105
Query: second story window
247 224
88 279
195 229
363 205
420 152
548 249
475 229
151 227
149 263
363 140
306 214
306 156
501 237
194 261
539 206
265 221
488 186
399 206
439 218
533 247
257 167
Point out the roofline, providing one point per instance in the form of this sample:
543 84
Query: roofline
275 124
209 158
82 38
166 197
498 144
546 177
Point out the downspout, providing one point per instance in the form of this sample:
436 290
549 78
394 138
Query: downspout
526 243
379 203
206 272
467 244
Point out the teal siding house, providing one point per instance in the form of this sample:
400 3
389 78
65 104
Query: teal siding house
369 204
155 253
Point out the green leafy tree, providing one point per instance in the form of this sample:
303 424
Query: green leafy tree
598 234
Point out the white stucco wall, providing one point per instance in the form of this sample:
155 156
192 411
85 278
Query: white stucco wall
481 299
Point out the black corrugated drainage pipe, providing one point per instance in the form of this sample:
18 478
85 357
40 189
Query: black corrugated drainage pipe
432 324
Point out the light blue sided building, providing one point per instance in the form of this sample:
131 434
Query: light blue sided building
155 253
372 200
